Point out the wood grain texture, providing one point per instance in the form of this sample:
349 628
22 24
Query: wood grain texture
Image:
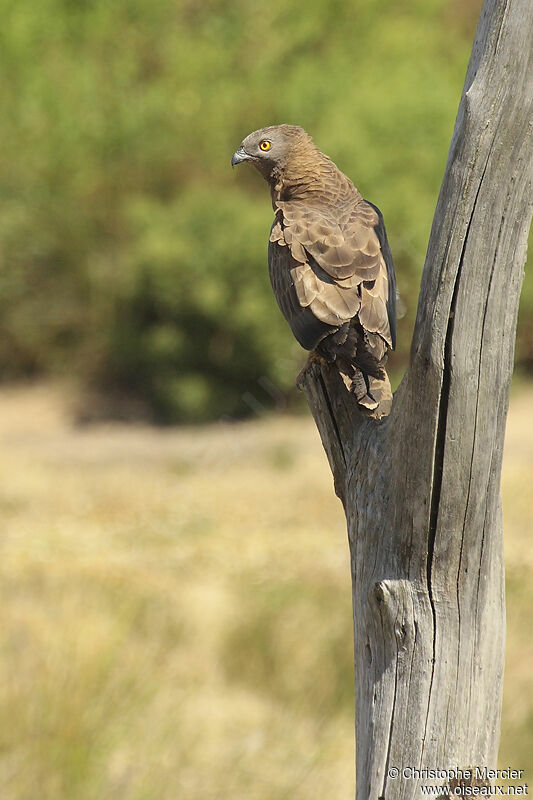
421 488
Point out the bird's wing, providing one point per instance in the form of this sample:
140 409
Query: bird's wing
343 264
392 293
308 328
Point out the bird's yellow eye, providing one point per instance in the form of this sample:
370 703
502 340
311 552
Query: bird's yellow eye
265 145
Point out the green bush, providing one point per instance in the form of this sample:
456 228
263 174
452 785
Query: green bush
132 258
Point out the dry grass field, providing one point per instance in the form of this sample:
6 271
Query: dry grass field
175 609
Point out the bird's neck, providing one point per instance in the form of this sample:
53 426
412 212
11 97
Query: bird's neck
305 176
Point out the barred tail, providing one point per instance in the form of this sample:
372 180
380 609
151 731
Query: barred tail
360 357
373 394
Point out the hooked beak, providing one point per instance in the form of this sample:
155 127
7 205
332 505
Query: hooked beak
239 156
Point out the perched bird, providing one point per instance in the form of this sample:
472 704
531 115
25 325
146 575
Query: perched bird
329 260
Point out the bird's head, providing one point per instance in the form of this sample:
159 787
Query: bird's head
271 149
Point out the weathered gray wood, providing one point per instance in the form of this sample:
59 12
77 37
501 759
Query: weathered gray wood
421 488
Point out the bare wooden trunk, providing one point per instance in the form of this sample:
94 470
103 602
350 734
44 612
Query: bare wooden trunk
421 488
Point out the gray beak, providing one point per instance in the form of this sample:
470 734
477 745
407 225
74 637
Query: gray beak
239 156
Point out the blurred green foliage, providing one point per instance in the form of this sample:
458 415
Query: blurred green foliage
132 258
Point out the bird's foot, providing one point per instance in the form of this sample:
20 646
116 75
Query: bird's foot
314 359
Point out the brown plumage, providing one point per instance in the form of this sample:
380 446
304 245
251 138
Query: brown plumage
330 264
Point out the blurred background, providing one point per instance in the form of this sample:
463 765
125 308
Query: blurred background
176 614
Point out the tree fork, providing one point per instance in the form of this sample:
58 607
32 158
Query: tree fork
421 489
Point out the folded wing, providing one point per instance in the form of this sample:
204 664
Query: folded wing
327 268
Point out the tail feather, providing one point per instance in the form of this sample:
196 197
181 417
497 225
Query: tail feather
373 395
361 364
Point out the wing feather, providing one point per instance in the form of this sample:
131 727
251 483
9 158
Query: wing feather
306 326
342 265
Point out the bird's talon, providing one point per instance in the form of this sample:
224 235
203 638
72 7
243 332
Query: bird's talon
314 360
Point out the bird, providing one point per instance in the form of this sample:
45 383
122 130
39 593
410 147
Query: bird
330 264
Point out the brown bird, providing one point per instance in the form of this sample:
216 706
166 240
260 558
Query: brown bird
329 260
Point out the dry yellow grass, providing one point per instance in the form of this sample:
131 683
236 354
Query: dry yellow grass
176 617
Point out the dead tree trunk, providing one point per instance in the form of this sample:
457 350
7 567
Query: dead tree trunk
421 489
